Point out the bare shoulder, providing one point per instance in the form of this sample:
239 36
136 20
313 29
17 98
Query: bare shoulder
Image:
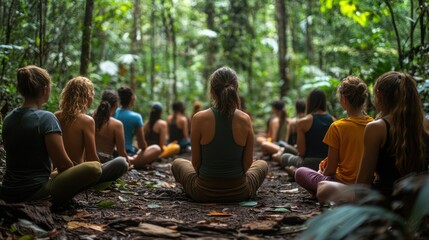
203 115
308 119
115 123
242 117
376 126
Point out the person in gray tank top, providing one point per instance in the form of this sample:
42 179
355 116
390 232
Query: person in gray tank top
222 139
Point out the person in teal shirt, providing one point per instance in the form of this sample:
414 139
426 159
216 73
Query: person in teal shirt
133 127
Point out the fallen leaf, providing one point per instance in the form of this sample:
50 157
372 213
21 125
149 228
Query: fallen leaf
293 229
122 199
106 203
264 225
219 214
248 203
153 206
154 230
293 190
81 214
281 210
74 224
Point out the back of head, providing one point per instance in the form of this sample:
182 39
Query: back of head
316 101
74 98
155 115
103 111
125 94
178 107
278 105
398 97
300 106
31 80
355 90
224 90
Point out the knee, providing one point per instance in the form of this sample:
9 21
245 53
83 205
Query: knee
121 163
323 192
92 169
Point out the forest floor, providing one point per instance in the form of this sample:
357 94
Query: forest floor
148 204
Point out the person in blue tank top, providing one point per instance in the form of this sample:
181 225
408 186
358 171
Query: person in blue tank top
311 130
133 127
222 139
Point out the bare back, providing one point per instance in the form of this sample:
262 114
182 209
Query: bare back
109 136
79 138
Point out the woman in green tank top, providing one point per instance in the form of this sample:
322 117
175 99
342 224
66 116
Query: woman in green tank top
222 167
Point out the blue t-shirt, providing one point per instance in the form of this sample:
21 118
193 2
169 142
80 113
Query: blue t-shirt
131 121
28 165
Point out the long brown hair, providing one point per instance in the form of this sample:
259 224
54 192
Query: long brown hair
103 111
224 90
400 100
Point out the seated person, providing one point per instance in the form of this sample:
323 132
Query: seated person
133 127
276 130
222 167
395 145
32 140
109 132
79 128
344 138
178 126
311 130
155 132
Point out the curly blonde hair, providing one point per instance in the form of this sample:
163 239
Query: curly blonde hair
74 98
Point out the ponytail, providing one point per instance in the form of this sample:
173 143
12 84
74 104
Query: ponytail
102 114
224 91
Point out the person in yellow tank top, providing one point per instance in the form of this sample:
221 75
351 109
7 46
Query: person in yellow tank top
344 138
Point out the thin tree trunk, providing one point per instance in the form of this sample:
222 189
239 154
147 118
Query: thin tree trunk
41 31
423 22
167 50
8 34
174 46
395 28
309 32
281 19
412 24
86 38
136 17
211 44
152 49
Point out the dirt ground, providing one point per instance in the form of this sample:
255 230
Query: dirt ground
148 204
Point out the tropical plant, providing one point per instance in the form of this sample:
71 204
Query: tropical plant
404 216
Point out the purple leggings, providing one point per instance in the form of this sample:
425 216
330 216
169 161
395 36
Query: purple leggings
308 178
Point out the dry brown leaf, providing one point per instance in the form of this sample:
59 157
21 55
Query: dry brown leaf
81 214
154 230
220 214
74 224
261 225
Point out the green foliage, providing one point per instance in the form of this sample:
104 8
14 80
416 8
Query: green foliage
378 220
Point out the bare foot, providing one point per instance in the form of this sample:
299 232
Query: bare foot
291 172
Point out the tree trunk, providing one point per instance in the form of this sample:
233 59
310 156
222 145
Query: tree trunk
7 40
309 32
411 24
167 50
174 46
42 28
86 38
423 22
209 10
136 18
152 49
398 38
281 19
